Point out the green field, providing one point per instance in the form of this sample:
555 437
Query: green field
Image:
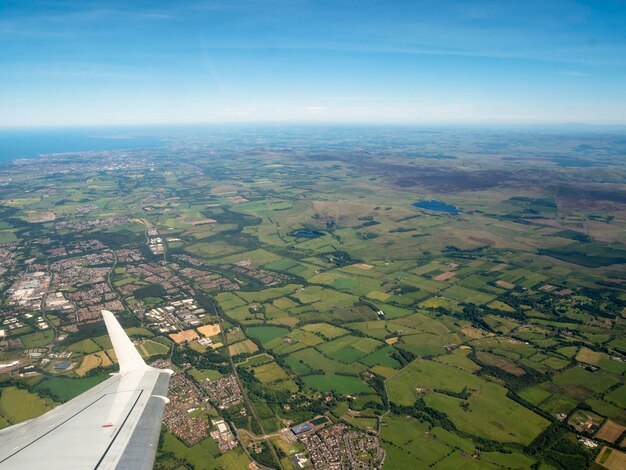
205 455
428 374
463 294
213 250
86 346
381 357
37 340
317 361
293 341
269 372
325 330
203 375
459 359
152 348
65 388
256 360
265 334
579 383
298 367
341 384
17 405
506 420
415 439
617 397
349 348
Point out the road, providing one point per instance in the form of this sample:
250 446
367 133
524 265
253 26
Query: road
254 437
249 403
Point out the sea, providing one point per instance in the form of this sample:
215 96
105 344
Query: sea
29 143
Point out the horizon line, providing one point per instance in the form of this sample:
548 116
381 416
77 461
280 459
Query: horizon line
316 123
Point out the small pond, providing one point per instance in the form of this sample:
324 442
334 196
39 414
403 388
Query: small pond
305 233
436 206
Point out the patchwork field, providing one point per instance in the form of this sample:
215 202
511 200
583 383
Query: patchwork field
99 359
455 293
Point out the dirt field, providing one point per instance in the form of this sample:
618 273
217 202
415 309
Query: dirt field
610 432
547 288
210 330
184 336
611 458
203 222
92 361
472 332
237 199
89 362
445 276
363 266
505 285
497 267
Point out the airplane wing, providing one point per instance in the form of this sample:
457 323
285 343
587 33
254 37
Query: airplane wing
115 424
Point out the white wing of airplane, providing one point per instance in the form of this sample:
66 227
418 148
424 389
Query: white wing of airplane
115 424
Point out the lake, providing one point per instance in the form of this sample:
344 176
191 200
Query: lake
306 233
436 206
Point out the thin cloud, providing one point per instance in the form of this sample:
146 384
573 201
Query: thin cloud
574 73
57 24
315 110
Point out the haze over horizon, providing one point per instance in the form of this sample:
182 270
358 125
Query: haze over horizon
112 63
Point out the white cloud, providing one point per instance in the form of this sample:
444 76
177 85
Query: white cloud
315 110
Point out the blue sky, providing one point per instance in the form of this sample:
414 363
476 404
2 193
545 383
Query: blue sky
129 62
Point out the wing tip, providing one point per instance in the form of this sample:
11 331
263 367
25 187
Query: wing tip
107 314
127 356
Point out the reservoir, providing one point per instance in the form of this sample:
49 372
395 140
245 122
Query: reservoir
302 233
436 206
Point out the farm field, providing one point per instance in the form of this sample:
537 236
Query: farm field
152 348
508 421
19 405
342 384
349 348
269 372
91 361
64 389
402 387
415 439
242 347
611 459
265 334
315 360
457 295
325 330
